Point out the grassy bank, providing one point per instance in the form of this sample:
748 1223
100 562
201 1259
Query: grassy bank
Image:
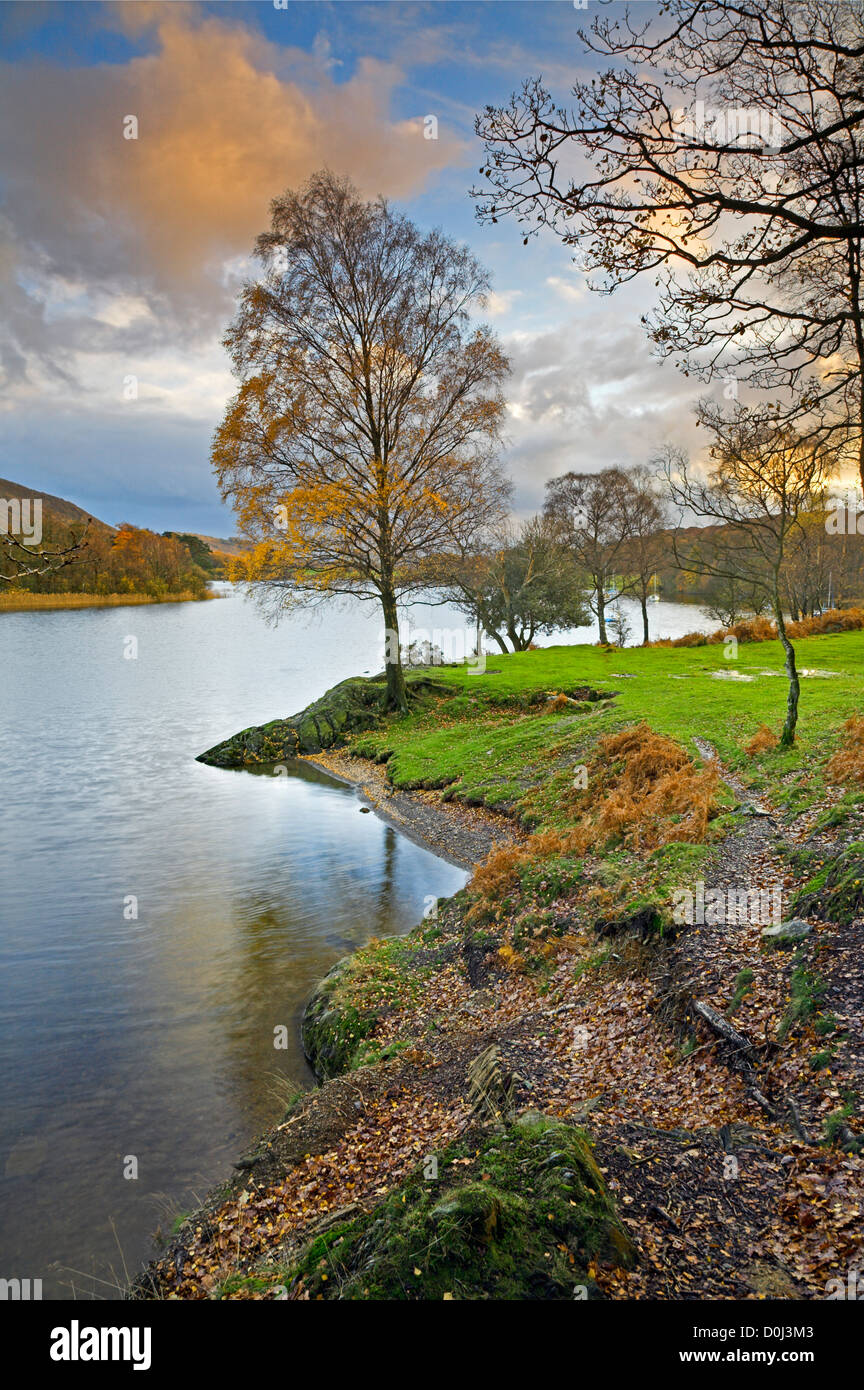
475 746
20 601
554 1062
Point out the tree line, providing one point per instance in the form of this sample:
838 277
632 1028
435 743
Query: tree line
96 559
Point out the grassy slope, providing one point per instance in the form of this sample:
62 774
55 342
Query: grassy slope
499 755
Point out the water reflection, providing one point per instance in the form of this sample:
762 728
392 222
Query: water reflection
151 1033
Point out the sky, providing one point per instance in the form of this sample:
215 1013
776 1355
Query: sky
120 259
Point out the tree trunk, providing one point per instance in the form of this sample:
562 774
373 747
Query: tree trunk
787 737
601 615
397 694
644 603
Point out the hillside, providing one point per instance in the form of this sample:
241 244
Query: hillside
65 511
220 545
100 563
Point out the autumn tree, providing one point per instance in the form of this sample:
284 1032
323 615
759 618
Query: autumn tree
761 488
721 152
362 438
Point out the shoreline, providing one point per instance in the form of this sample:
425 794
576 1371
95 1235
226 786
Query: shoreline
422 816
532 1039
54 603
425 819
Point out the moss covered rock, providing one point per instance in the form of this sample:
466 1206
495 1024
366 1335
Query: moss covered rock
349 708
333 1027
521 1213
341 1018
837 893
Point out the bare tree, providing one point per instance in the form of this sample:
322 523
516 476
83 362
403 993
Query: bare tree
591 511
646 546
761 488
362 438
21 560
734 598
744 204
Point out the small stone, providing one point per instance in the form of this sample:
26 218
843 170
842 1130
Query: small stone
788 933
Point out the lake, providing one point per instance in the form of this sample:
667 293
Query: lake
161 919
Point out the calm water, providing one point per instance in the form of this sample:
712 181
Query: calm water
152 1036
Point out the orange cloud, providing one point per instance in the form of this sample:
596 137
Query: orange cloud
226 120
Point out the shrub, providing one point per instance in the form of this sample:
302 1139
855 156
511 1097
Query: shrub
556 704
652 793
847 764
835 620
644 792
762 741
763 630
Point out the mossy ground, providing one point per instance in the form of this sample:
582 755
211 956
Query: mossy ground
481 747
836 892
519 1213
386 976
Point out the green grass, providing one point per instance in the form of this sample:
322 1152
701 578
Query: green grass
807 993
490 745
743 981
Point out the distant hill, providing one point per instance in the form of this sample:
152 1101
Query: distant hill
123 559
236 545
68 512
71 513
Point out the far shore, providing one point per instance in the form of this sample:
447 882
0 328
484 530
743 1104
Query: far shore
19 601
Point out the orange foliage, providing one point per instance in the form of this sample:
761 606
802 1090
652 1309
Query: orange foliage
651 792
501 872
847 764
763 630
835 620
556 704
762 741
511 958
644 791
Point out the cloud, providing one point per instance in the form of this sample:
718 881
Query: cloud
566 289
141 240
498 304
587 394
